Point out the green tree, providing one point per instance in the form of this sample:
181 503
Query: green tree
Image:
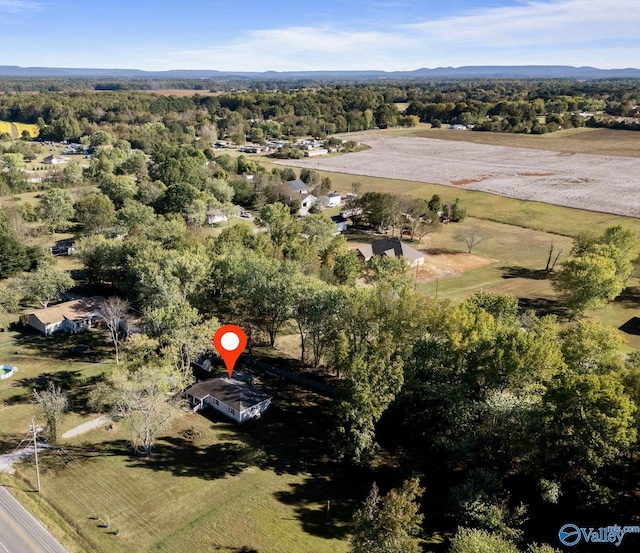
319 230
590 347
118 188
141 395
389 524
467 540
585 422
13 255
55 209
95 211
45 284
72 173
277 219
370 381
315 306
587 282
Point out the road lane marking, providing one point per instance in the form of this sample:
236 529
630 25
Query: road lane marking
33 547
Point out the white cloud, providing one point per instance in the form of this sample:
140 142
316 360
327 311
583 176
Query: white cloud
576 32
17 6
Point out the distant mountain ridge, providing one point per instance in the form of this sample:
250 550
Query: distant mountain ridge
471 71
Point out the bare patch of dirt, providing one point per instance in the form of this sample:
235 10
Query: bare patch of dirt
462 182
449 265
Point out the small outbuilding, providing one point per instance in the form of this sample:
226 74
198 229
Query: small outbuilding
236 398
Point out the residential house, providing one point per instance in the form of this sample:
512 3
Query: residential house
55 160
340 222
215 216
391 247
71 316
309 143
315 153
334 199
253 149
236 398
298 186
306 203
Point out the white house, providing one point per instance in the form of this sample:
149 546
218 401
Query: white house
306 203
55 160
216 216
315 153
333 199
71 316
234 397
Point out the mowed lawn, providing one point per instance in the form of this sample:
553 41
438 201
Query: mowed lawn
225 490
209 484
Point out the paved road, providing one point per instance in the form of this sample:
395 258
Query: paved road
20 532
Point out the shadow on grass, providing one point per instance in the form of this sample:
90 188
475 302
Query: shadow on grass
524 272
543 306
71 382
632 326
183 458
629 298
60 345
324 505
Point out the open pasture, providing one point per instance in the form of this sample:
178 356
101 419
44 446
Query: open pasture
600 183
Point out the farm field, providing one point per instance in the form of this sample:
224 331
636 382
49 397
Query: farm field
15 129
602 183
572 141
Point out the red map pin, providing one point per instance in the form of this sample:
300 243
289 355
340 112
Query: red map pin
229 341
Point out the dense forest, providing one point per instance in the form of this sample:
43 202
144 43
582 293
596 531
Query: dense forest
500 106
508 419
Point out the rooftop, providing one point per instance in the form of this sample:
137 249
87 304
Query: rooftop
72 310
236 393
391 247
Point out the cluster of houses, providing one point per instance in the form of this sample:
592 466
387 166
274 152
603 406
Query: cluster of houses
311 147
236 398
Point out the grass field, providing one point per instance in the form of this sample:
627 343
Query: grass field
262 487
15 129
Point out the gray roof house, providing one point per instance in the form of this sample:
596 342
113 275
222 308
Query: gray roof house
298 186
391 247
235 397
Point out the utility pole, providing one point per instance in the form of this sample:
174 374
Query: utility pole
35 452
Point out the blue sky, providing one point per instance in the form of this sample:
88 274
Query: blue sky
287 35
